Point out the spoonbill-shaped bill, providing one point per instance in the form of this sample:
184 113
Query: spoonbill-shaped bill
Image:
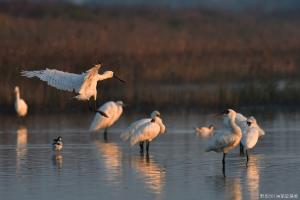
85 84
20 105
205 131
113 110
250 136
125 135
228 139
57 144
147 132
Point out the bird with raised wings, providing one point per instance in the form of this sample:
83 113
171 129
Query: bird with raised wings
85 84
113 109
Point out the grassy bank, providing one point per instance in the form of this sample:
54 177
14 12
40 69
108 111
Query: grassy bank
179 57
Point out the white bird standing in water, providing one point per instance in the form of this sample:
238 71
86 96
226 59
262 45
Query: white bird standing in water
147 132
242 122
135 125
113 110
228 139
205 131
20 105
84 84
250 136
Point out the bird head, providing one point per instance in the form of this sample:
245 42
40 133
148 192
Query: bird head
229 113
155 114
17 90
120 103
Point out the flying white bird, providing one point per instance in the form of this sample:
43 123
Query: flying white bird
57 144
147 132
228 139
205 131
135 125
113 110
250 136
20 105
84 84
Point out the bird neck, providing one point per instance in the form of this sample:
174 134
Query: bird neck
105 75
17 95
236 129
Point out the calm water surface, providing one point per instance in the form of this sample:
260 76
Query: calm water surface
178 168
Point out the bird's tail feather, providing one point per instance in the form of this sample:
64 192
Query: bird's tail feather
30 74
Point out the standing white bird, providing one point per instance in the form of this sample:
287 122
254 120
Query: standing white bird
205 131
147 132
20 105
125 135
250 136
84 84
228 139
113 110
242 122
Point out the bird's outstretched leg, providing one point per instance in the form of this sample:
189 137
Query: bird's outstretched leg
241 150
223 162
105 134
141 147
147 147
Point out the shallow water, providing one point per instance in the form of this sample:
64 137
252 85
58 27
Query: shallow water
178 168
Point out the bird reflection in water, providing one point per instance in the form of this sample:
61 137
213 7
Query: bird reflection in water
112 156
151 173
253 176
57 159
21 146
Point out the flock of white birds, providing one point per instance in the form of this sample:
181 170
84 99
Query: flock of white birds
238 130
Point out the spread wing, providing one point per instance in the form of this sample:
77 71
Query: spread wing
58 79
88 78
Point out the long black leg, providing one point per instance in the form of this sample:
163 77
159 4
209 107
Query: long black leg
241 150
105 134
247 156
141 147
223 162
147 146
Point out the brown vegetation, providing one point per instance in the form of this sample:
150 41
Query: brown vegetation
187 57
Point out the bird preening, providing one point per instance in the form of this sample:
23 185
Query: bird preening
84 84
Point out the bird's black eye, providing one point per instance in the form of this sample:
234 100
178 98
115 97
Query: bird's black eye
248 123
226 112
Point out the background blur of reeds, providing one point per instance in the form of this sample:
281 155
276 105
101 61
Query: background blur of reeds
169 57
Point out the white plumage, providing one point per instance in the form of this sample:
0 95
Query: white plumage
250 136
135 125
205 131
145 132
228 139
148 131
113 110
20 105
84 84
